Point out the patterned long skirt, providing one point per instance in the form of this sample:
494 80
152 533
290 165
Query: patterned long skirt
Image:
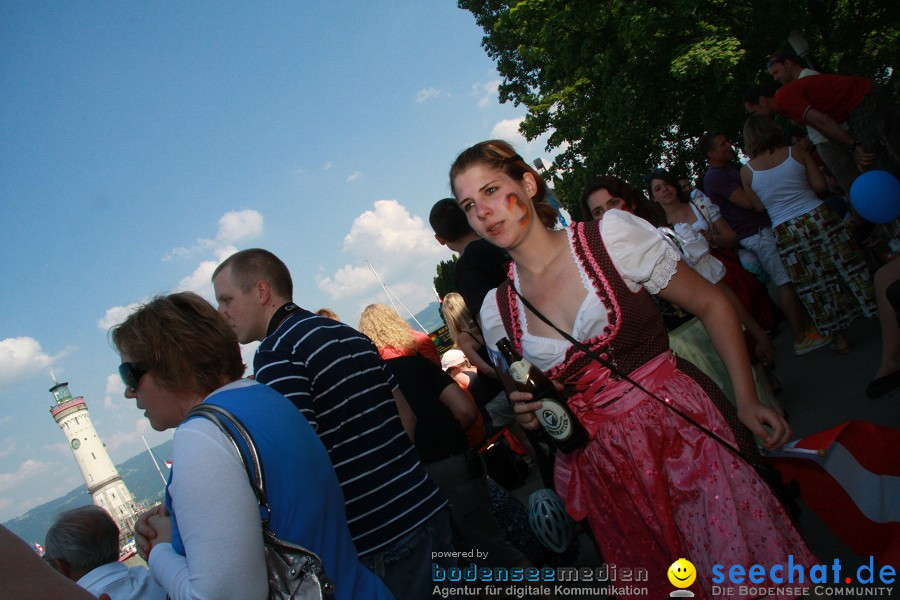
827 268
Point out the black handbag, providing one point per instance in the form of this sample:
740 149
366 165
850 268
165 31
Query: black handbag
294 572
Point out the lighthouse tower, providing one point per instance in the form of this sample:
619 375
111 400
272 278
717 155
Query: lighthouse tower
103 481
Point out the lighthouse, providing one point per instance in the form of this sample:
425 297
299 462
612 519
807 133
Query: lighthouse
103 481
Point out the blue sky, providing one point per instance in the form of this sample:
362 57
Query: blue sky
141 143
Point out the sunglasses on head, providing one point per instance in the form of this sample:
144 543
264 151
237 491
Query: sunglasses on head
131 375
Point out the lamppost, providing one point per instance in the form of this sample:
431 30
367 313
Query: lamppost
801 47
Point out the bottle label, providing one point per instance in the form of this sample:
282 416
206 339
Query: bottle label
555 419
519 370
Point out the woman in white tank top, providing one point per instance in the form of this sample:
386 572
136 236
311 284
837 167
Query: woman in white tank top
823 260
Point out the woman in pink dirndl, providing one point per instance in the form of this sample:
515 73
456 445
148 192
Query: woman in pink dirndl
653 487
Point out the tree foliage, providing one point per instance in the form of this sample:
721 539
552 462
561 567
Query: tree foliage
443 281
626 86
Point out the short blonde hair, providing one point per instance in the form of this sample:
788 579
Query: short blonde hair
327 312
386 328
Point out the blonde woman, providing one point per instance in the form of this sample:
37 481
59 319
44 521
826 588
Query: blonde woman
465 334
443 414
485 388
397 338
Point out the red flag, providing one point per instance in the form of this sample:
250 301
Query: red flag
849 476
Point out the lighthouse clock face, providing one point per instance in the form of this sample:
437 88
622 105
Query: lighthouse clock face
75 444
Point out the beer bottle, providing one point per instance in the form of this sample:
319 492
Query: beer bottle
555 416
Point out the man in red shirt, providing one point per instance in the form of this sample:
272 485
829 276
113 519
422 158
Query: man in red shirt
847 110
785 67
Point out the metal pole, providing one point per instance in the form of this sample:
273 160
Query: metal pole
154 459
391 296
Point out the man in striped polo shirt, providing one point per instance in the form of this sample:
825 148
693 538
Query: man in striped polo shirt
334 375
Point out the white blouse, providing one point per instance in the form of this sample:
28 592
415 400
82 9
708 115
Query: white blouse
708 206
641 255
695 251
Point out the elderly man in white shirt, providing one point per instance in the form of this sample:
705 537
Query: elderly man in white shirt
83 545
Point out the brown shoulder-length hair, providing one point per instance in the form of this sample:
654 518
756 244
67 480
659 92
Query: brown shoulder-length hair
499 155
667 177
762 134
619 188
183 341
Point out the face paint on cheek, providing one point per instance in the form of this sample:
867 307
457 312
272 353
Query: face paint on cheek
514 200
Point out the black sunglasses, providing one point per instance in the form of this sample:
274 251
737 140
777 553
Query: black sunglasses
771 61
131 375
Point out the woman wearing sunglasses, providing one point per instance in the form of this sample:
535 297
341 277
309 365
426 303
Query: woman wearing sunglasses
652 486
207 540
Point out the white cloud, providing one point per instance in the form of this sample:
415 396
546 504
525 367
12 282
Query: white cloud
328 166
200 281
429 93
354 175
26 470
22 356
234 226
59 448
114 398
184 252
508 130
400 246
5 419
247 352
349 280
116 315
487 93
7 447
390 229
238 225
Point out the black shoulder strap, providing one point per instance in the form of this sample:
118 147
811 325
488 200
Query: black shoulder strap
613 369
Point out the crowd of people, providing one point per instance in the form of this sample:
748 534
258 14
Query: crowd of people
651 315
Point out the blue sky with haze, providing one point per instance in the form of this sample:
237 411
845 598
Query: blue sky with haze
141 143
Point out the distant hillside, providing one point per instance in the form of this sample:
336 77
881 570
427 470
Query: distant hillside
139 474
429 317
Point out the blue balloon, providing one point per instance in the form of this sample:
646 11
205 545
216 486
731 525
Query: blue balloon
876 196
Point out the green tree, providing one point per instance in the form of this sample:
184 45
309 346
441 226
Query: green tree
625 86
443 281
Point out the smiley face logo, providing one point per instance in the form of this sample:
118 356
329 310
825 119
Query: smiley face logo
682 573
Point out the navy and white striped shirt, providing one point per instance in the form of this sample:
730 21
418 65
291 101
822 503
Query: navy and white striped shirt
335 376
